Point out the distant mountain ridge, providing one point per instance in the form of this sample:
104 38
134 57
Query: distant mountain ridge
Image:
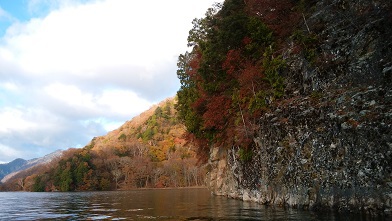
9 170
12 166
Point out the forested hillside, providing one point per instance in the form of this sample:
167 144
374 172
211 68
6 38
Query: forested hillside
148 151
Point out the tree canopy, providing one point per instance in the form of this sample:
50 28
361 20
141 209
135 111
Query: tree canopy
233 70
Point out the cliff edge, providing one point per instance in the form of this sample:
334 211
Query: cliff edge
327 144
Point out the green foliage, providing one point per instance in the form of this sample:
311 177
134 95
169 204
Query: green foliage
304 38
91 145
232 73
245 155
258 101
121 161
65 180
39 184
158 112
316 95
167 110
71 173
104 184
273 67
260 38
122 137
308 42
188 94
148 134
80 172
304 5
152 125
310 55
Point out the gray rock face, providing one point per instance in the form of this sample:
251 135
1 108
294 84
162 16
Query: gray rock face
330 151
328 144
329 156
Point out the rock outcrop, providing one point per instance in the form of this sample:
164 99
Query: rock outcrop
328 143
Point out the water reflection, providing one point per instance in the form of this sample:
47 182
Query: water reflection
177 204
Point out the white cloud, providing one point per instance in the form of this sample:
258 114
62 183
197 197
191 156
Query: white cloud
123 102
81 68
70 96
7 152
13 120
9 86
32 132
110 102
84 38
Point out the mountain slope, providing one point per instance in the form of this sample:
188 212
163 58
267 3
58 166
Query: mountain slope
29 164
147 151
11 167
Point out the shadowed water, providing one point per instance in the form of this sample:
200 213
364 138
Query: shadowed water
173 204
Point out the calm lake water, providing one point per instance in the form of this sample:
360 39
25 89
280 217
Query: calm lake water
160 204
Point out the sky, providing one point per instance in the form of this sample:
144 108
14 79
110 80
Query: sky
71 70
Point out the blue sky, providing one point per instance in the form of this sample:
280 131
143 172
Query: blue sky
16 8
21 11
72 70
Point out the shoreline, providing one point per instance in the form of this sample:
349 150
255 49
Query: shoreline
161 188
131 189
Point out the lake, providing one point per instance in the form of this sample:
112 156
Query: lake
155 204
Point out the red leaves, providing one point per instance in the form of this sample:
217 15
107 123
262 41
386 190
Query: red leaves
248 74
217 112
194 64
246 40
233 62
231 68
199 105
276 14
251 77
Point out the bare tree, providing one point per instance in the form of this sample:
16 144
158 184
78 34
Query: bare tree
117 174
114 167
21 183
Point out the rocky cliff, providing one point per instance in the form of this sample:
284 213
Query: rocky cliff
328 143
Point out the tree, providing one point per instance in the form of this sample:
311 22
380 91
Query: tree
120 160
80 173
115 170
117 174
21 183
280 16
142 171
39 184
229 73
66 180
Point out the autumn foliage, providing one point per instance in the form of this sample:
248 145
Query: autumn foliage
279 15
234 70
148 151
231 75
